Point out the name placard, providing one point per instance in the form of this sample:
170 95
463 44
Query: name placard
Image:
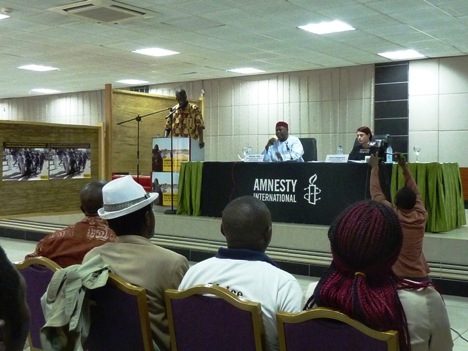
338 158
253 158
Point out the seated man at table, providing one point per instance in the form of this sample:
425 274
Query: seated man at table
284 147
68 246
244 267
412 214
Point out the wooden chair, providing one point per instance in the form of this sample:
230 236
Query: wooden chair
324 329
207 317
119 317
37 273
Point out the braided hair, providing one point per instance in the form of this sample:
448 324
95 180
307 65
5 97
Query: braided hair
365 240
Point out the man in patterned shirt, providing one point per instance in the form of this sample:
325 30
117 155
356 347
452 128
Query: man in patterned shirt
69 245
186 119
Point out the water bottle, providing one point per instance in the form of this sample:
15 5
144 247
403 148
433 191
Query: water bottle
339 150
389 154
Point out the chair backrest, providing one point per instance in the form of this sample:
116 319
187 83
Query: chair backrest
310 149
323 329
207 317
37 273
119 317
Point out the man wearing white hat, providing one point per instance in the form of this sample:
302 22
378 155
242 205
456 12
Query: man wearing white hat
127 208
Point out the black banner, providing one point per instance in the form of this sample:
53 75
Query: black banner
312 193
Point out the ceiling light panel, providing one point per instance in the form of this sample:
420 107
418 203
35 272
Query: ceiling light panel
157 52
327 27
38 68
402 55
246 70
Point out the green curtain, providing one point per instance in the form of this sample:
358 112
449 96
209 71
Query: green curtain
441 190
190 183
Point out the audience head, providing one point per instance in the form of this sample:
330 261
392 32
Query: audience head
364 135
405 198
365 242
246 224
282 130
14 312
91 197
127 207
181 97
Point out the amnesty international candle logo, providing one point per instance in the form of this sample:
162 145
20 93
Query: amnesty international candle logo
284 190
312 191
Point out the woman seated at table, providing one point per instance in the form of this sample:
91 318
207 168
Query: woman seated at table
363 146
365 242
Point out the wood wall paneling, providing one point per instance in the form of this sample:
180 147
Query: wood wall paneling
127 105
46 196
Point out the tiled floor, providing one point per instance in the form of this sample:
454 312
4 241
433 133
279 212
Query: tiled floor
457 306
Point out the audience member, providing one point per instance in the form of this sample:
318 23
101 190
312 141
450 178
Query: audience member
410 210
284 147
68 246
127 208
186 119
245 269
14 312
363 146
365 242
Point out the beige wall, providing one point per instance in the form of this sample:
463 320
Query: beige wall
326 104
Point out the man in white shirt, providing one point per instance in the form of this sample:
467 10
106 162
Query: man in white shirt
245 269
285 148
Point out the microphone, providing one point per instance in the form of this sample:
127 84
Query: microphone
172 110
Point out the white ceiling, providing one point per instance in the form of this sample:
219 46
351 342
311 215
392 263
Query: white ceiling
213 36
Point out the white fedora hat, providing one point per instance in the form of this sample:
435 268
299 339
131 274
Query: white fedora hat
122 196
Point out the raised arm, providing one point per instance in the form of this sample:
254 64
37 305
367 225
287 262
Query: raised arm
375 188
266 153
410 182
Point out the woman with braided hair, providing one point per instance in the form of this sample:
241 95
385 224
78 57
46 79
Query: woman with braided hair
365 240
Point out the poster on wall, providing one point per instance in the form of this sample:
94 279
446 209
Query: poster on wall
161 153
69 161
24 161
161 184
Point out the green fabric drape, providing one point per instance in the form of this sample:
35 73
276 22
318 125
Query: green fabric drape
441 189
190 184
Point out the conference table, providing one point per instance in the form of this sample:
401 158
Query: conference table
315 192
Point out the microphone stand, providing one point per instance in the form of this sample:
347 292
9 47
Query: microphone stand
138 118
171 211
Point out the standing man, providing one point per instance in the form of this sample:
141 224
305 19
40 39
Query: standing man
285 148
412 214
245 269
127 208
68 246
186 119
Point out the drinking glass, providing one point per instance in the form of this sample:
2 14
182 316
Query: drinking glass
417 151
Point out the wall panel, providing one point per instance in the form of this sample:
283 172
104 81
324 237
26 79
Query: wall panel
46 196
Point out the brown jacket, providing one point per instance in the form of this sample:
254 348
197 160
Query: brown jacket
142 263
69 245
411 263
